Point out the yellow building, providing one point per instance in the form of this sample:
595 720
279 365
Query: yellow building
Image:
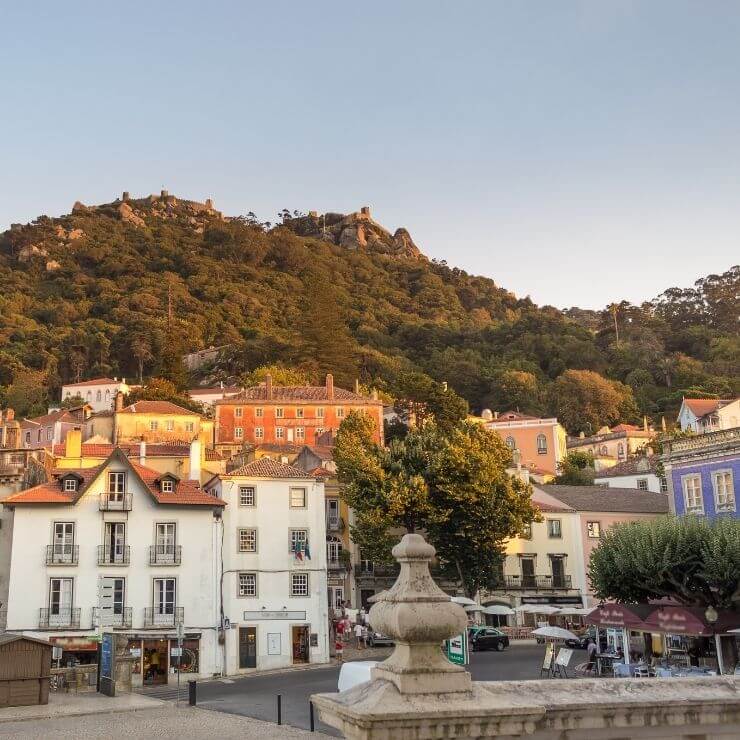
159 421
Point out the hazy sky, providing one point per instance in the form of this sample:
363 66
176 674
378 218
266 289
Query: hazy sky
578 152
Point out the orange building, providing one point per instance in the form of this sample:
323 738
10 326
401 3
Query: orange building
289 415
541 442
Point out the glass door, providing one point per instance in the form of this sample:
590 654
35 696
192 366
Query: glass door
64 539
60 601
115 542
165 544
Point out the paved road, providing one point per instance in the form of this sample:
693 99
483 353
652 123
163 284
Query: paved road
255 696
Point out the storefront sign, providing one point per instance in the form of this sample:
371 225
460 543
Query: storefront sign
576 600
273 643
457 649
253 616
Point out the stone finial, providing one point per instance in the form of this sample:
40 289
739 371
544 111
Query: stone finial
419 616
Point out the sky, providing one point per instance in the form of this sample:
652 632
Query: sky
578 152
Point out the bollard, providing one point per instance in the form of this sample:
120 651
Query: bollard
280 710
310 715
192 695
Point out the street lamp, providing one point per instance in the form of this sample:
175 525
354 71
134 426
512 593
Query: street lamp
712 616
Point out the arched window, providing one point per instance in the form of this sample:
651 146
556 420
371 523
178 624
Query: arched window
604 450
541 444
620 451
99 396
107 394
333 550
510 443
89 396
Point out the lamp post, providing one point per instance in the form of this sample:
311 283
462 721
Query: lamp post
712 616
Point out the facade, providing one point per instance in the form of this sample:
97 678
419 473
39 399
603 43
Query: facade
118 547
52 428
618 443
99 393
274 567
642 473
159 421
541 442
267 414
702 415
596 510
703 473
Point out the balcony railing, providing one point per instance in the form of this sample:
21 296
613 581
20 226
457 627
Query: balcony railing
62 554
165 554
162 616
536 583
119 555
107 618
338 561
377 571
334 524
115 502
59 618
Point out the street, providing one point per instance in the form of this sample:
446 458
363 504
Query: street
256 696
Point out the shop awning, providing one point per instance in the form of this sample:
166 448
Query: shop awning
688 620
620 615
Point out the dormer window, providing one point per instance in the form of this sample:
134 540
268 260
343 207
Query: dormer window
168 485
70 485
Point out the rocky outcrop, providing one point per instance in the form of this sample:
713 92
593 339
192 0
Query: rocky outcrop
127 214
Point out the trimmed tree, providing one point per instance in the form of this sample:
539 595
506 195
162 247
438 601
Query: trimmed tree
452 484
693 560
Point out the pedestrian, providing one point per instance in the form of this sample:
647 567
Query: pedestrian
339 650
591 652
365 634
358 635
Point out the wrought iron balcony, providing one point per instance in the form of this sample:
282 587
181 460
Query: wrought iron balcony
108 618
62 554
165 554
377 570
338 561
536 583
119 555
334 524
59 618
163 616
115 502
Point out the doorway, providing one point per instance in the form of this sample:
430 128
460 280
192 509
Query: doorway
299 641
155 662
247 647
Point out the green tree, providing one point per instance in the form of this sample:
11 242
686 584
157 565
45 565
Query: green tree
28 394
420 399
141 349
452 484
692 560
576 469
161 389
73 402
280 375
515 389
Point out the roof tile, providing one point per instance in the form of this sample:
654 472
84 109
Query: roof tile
268 468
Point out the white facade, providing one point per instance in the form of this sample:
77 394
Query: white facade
141 571
647 481
276 601
727 416
207 396
100 393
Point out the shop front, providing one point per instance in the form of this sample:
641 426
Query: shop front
158 658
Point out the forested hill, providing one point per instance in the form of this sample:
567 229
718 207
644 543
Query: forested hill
143 281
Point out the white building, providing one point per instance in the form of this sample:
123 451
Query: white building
702 415
118 547
637 472
99 393
274 567
207 396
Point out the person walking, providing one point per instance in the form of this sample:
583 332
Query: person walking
591 652
358 635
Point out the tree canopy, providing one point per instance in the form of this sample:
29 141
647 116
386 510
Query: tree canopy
693 560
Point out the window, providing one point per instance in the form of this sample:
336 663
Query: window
238 433
98 396
49 434
300 433
642 484
692 494
594 530
63 541
165 539
247 585
153 425
320 412
541 444
164 595
246 495
107 394
189 426
663 485
620 452
116 483
247 540
259 432
319 431
527 532
238 412
279 432
297 498
299 542
167 485
604 450
554 529
258 412
333 550
724 493
88 395
299 413
340 412
170 425
60 598
299 584
70 484
279 413
510 443
28 438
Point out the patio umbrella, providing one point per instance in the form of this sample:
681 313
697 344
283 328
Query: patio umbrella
462 600
498 610
554 633
537 609
574 611
473 608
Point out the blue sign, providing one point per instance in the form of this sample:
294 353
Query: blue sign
106 655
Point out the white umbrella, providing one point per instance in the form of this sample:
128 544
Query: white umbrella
537 609
473 608
574 611
555 633
463 600
735 632
498 610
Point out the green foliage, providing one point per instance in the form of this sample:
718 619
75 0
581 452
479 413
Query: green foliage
161 389
577 469
451 483
279 374
420 399
28 394
693 560
72 402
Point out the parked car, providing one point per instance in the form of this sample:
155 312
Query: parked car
487 638
354 672
375 639
584 637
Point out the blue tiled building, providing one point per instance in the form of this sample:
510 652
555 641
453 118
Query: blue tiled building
703 473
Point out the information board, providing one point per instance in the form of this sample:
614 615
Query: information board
564 656
108 664
457 649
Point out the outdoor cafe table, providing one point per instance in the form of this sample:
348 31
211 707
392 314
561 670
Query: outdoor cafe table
606 661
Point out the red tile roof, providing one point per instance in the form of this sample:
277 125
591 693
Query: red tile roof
216 389
310 393
54 416
95 381
321 473
157 407
187 492
268 468
213 455
51 492
631 466
702 406
158 449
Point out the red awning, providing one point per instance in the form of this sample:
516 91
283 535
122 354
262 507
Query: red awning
685 620
620 615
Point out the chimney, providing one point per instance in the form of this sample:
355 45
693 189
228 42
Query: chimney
644 423
375 394
119 401
123 380
330 386
581 435
9 415
195 452
115 378
268 385
444 386
357 386
662 423
495 414
73 443
142 453
222 384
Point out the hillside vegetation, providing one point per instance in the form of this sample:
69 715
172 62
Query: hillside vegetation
109 289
